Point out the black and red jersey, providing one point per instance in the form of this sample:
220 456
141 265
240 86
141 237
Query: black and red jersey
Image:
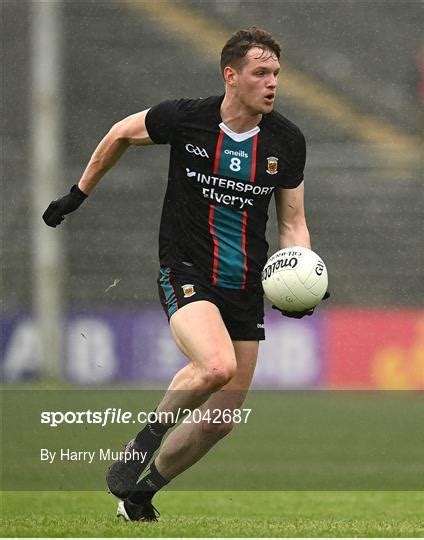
219 188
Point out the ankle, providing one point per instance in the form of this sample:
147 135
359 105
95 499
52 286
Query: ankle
148 486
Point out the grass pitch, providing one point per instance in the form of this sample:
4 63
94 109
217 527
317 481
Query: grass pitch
292 441
218 514
344 464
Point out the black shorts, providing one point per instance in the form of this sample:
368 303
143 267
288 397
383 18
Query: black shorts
242 310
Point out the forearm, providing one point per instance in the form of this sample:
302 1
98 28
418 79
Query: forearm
104 157
130 130
294 235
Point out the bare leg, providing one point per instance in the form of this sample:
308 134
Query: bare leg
200 333
190 442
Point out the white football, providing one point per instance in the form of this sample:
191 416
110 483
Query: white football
295 279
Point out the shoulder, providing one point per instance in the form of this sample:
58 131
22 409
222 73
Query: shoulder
288 142
176 110
199 106
164 120
282 128
191 105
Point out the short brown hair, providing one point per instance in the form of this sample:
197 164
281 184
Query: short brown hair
238 45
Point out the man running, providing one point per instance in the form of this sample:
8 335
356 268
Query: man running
230 155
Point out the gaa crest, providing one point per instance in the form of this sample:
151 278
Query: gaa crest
188 290
272 165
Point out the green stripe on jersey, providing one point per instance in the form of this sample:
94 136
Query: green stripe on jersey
228 230
235 161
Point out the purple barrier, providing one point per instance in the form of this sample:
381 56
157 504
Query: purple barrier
117 346
292 355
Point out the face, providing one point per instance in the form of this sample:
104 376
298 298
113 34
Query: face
255 83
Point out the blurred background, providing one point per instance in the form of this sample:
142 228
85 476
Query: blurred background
79 303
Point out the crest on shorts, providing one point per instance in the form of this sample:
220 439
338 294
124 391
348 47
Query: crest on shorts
272 165
188 290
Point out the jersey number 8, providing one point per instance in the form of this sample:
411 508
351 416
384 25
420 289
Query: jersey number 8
235 164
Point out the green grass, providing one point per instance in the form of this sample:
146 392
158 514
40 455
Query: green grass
218 514
327 464
292 441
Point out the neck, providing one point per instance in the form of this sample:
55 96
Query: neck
237 117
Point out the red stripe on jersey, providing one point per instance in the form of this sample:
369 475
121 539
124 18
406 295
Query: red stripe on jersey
243 248
215 245
254 149
244 222
218 152
212 211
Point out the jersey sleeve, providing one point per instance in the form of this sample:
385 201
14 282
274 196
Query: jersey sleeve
162 121
296 163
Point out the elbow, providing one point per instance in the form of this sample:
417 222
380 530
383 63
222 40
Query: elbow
294 225
117 134
294 233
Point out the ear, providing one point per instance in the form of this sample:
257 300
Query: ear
230 75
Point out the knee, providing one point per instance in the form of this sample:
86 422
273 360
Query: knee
218 374
217 430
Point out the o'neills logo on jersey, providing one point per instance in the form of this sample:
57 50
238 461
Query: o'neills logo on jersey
272 165
237 153
188 290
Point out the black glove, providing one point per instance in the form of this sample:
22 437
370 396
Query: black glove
300 314
55 213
